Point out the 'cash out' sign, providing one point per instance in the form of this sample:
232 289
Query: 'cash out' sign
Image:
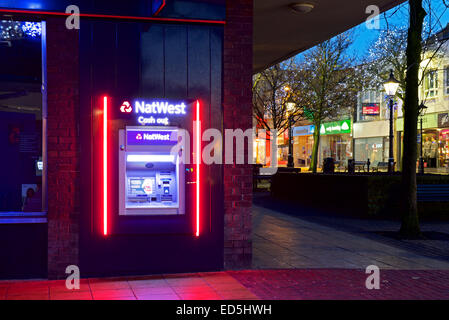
156 112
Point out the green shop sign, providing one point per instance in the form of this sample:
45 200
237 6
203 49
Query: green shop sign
336 127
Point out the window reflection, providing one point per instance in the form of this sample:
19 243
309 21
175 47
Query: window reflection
21 166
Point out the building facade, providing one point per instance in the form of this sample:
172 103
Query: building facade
70 97
371 127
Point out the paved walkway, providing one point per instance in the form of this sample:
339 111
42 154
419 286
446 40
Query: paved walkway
298 254
197 286
344 284
294 237
281 284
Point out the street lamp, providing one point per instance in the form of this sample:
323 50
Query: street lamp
290 108
391 86
421 111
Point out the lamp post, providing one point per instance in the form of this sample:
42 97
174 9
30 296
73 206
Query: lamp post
421 111
290 107
391 86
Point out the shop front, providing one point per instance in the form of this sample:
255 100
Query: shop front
433 144
282 148
91 130
371 141
336 142
443 147
260 150
303 144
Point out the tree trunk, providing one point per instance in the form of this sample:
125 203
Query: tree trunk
410 221
316 144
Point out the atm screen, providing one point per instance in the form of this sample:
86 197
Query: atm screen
141 187
151 185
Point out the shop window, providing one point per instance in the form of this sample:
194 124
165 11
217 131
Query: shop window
446 80
282 155
431 84
370 148
430 148
338 147
22 173
444 149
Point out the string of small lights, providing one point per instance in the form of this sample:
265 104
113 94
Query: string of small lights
15 30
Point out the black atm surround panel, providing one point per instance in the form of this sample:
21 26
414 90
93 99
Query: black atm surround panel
149 188
131 247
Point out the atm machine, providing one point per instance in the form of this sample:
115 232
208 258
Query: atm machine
150 167
151 172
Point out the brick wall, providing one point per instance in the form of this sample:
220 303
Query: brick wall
237 100
63 146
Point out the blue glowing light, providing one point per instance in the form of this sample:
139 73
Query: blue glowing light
32 29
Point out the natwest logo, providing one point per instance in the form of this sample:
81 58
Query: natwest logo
126 107
156 136
160 107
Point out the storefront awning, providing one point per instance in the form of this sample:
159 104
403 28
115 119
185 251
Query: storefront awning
280 33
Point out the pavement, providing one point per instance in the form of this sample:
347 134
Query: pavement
291 236
298 254
271 284
196 286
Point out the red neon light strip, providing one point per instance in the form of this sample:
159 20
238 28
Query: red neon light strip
105 165
160 8
91 15
198 157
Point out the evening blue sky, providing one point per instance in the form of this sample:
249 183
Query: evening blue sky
364 37
398 16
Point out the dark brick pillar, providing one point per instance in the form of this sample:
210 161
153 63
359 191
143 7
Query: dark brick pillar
63 146
237 100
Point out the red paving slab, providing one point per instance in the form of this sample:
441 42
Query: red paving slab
159 297
71 295
288 284
344 284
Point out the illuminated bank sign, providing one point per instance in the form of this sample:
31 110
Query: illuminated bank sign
151 137
155 112
336 127
159 108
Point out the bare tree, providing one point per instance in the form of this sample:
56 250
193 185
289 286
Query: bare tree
328 85
274 96
388 52
404 50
